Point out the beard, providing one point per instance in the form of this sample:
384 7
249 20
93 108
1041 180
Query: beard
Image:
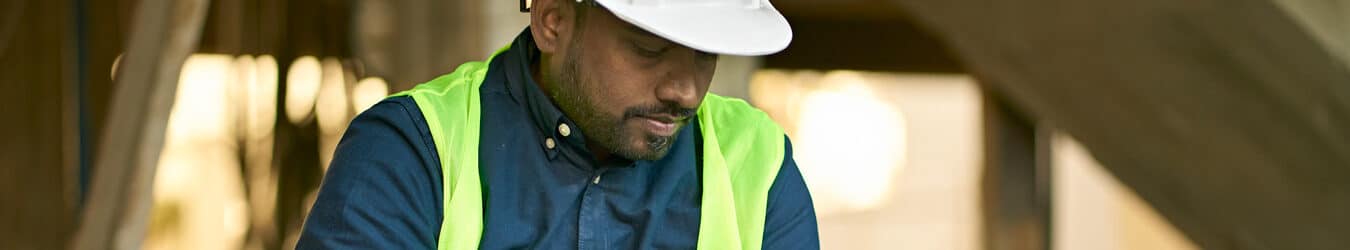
578 98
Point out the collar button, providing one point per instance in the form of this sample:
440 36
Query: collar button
564 130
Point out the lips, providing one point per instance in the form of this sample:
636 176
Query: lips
663 118
661 124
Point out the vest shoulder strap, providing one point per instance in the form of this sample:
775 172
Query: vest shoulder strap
450 105
742 151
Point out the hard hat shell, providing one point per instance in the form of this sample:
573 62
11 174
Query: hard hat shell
729 27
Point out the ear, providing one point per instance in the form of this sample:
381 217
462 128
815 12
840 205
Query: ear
548 24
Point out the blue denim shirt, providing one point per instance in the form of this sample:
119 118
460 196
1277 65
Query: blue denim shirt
383 189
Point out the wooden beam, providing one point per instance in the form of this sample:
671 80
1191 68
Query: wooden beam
37 80
855 10
1327 20
1224 115
888 45
164 33
1015 183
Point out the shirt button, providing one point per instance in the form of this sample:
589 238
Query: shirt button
564 130
548 142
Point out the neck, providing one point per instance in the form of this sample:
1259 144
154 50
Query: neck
536 71
600 154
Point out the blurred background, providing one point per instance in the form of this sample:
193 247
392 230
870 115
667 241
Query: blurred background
917 124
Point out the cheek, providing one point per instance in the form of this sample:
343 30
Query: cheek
614 91
706 70
620 81
607 88
705 80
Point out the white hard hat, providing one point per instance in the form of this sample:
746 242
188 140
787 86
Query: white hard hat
731 27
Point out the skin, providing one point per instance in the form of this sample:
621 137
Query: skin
628 90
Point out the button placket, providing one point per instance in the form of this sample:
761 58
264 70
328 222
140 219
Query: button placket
590 229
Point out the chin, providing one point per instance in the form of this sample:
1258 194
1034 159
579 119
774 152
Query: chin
646 146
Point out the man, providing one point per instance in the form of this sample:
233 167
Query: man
592 130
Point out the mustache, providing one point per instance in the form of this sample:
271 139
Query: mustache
674 110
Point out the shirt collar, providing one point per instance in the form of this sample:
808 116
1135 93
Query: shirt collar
547 118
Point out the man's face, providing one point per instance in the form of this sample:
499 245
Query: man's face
630 91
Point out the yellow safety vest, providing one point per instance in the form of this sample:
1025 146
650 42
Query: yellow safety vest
742 152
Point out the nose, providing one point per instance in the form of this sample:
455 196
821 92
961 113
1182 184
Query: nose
681 83
678 88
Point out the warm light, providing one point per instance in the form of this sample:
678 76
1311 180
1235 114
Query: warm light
332 109
854 132
368 92
242 82
302 86
198 193
260 119
201 101
332 101
262 97
1092 210
116 62
851 144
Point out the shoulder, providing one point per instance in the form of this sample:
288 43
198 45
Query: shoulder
790 220
381 190
393 117
391 137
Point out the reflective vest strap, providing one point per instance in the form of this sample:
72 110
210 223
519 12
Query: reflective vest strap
451 107
742 152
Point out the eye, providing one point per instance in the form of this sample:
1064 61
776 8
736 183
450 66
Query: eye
649 51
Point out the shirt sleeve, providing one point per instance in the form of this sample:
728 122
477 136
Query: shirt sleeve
790 221
382 190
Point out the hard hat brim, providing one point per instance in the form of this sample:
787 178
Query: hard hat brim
727 30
